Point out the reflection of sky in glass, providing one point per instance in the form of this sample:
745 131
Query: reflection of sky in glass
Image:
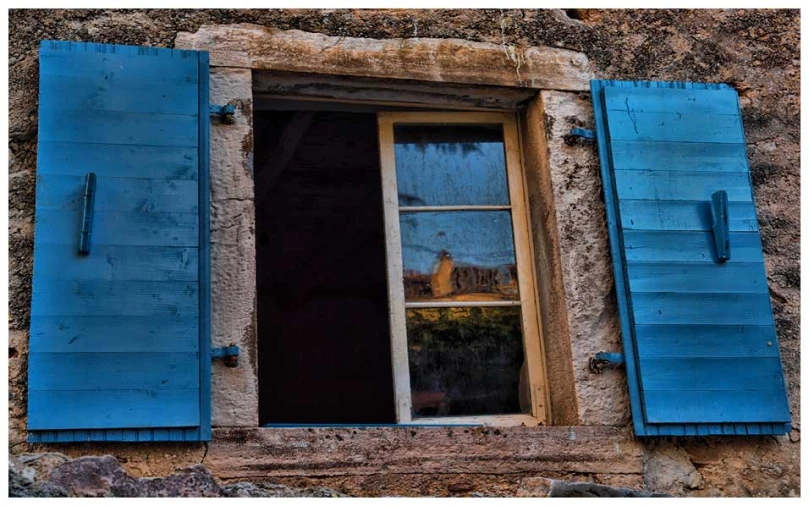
438 170
480 238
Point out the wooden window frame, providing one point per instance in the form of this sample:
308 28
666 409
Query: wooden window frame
526 270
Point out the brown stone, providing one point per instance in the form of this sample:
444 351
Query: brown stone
421 59
249 454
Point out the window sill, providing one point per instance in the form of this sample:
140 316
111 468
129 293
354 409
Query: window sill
252 453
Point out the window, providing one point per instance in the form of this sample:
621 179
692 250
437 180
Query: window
394 273
464 320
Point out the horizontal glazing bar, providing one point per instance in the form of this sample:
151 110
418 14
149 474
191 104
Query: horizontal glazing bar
465 303
417 209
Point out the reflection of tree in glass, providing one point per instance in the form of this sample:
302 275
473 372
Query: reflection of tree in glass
465 361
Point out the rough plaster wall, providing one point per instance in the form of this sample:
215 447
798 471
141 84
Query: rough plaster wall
234 391
756 51
603 399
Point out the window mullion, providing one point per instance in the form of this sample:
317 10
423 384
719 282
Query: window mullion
396 297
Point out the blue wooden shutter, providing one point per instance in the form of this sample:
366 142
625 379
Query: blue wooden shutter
699 338
119 342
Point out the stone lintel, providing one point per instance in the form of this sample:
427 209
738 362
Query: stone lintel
421 59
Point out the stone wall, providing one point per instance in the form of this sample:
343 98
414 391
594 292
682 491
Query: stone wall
755 51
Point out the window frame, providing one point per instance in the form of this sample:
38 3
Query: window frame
526 269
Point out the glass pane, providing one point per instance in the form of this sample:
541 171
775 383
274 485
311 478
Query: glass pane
450 165
467 361
458 255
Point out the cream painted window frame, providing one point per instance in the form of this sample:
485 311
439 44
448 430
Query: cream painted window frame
526 271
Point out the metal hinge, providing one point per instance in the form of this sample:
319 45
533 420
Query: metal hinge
228 354
224 113
604 360
580 136
721 229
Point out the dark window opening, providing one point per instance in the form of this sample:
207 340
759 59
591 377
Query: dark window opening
323 330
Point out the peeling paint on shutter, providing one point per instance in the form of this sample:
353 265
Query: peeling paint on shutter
119 341
699 337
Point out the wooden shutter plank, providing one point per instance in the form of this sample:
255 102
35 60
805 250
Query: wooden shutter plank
119 68
710 373
705 341
113 298
701 308
115 371
667 406
119 228
683 215
117 160
122 435
734 277
118 194
131 95
692 246
48 47
117 263
673 185
672 100
113 409
675 127
84 334
104 127
680 156
680 123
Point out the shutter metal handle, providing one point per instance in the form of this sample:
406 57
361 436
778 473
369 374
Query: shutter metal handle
721 229
87 214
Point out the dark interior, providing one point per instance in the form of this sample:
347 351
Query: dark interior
323 335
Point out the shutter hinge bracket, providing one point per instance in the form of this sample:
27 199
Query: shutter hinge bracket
224 113
228 354
580 136
604 360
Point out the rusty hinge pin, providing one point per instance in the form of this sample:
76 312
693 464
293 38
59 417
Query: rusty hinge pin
579 136
228 354
604 360
224 113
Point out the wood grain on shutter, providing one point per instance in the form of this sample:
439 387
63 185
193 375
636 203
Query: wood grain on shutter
702 352
117 346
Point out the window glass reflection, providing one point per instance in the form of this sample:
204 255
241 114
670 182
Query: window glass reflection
458 255
466 361
450 165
